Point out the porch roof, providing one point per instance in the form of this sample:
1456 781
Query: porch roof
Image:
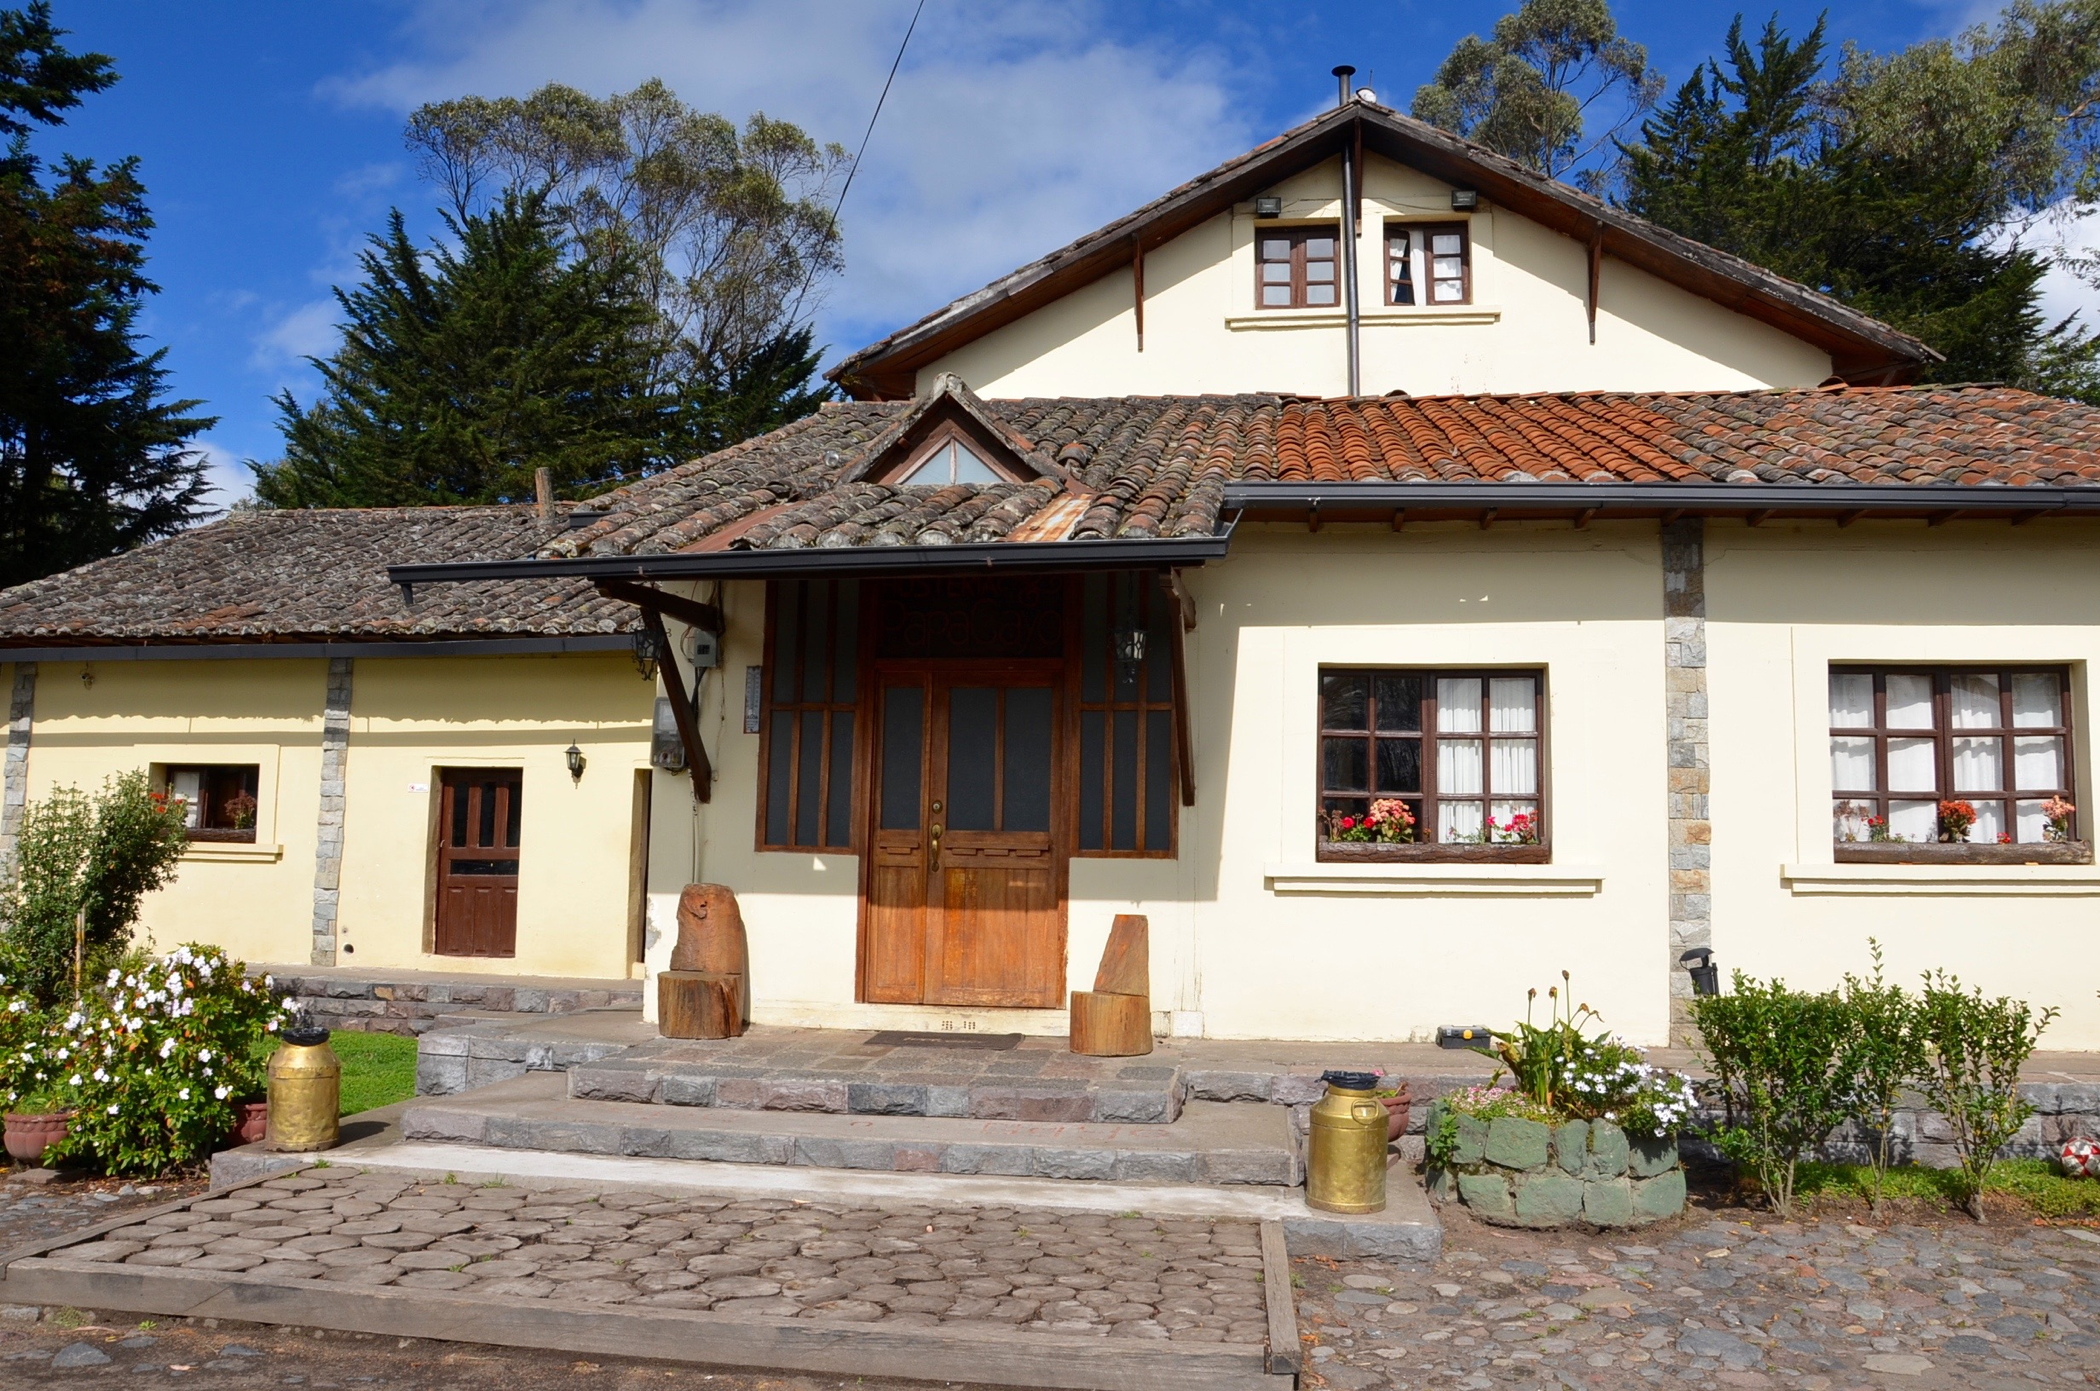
1159 480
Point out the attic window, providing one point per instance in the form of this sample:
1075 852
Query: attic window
1436 255
950 460
1295 267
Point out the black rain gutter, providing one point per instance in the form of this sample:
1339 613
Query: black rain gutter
819 562
190 651
1648 499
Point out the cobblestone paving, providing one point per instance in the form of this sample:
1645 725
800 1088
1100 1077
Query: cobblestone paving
35 1212
1818 1305
1193 1280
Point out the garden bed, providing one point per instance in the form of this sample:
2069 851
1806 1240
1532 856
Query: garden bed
1525 1173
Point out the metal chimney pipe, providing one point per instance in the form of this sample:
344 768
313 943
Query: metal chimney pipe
1349 232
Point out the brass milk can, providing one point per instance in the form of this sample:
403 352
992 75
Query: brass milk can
1345 1163
306 1092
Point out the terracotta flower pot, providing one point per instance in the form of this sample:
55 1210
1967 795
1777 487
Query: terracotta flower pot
251 1121
28 1136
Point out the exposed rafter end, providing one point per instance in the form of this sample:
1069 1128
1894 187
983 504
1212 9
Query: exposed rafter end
1671 515
2023 518
1596 276
1848 518
1941 518
1582 518
1758 518
1399 518
1312 517
1487 518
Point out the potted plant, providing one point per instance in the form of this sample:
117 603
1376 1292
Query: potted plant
35 1123
1585 1134
1387 822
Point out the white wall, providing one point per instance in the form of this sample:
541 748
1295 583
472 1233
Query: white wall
1525 330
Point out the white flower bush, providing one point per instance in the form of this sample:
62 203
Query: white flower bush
152 1063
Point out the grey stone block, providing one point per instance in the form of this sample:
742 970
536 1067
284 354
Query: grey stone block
1471 1144
1073 1164
1145 1167
1488 1195
439 1123
448 1044
529 1001
684 1089
732 1148
440 1076
1138 1108
1515 1143
1571 1145
1610 1151
645 1142
1251 1166
1655 1199
1227 1086
1296 1088
792 1095
1647 1155
574 1137
886 1099
1549 1199
1010 1161
612 1084
947 1101
1608 1202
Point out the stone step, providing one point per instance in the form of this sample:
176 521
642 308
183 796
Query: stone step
413 1002
931 1083
1210 1143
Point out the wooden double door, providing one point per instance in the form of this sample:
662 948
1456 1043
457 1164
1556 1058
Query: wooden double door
964 884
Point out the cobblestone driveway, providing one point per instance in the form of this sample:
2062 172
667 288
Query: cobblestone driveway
1193 1280
1815 1305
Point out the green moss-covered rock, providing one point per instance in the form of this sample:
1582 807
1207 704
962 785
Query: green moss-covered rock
1548 1199
1571 1145
1472 1140
1648 1156
1517 1144
1610 1151
1608 1202
1657 1198
1488 1195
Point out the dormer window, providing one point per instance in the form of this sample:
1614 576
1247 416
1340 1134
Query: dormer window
1295 267
950 459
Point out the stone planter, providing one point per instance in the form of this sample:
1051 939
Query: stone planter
28 1136
1519 1173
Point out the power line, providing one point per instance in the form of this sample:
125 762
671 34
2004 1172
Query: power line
875 115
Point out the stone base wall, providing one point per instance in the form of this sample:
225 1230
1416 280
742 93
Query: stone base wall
1521 1173
411 1007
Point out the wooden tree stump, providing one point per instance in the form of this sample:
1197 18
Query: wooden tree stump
711 941
1111 1026
699 1004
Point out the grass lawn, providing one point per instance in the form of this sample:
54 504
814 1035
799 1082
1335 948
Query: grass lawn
378 1069
2037 1182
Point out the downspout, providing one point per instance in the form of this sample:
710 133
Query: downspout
1342 75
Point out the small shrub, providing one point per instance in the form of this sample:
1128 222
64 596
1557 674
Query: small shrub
1973 1050
99 855
1884 1053
1777 1058
1570 1074
153 1061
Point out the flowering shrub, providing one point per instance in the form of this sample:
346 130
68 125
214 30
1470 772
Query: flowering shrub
1521 829
1955 820
1613 1082
1388 821
2059 812
240 809
152 1062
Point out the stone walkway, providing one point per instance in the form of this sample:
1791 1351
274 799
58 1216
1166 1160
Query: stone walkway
1185 1280
33 1211
1818 1305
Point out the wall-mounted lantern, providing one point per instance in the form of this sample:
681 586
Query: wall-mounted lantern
645 653
576 761
1268 207
1464 200
1706 977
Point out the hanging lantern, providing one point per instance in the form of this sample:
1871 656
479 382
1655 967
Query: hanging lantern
646 652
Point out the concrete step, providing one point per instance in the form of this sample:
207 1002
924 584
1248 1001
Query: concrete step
1210 1143
1021 1086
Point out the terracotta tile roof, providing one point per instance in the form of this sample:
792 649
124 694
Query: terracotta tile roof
310 575
1158 466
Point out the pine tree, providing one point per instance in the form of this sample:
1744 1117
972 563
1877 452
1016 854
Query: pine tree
464 369
761 390
93 458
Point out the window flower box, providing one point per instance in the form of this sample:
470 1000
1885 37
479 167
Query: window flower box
1897 852
1416 852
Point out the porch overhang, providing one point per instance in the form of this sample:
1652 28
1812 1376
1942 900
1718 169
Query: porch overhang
1003 557
1381 501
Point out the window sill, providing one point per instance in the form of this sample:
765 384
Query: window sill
233 851
1386 316
1944 878
1435 878
2075 852
1382 852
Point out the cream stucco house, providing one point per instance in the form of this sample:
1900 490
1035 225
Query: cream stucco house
1366 475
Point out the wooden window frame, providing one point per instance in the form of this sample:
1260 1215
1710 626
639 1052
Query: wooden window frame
228 835
942 435
1298 234
1156 599
1425 287
1943 735
831 781
1539 852
1412 231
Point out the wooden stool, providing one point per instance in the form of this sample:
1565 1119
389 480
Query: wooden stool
1114 1019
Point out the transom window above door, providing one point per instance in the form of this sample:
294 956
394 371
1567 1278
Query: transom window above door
1415 764
1297 267
1953 755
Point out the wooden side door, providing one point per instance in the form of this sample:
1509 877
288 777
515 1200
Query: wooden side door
479 817
965 886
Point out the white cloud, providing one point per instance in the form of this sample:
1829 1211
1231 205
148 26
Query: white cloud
228 476
1014 125
297 334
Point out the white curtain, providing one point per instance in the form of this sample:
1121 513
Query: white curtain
1852 763
1917 821
1975 701
1990 820
2034 700
1458 767
1849 820
2030 824
2038 761
1457 821
1911 766
1910 702
1513 705
1515 766
1458 704
187 783
1851 702
1979 764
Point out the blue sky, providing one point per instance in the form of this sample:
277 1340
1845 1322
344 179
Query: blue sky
270 133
